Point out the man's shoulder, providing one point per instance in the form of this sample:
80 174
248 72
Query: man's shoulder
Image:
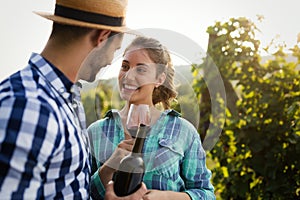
22 83
25 85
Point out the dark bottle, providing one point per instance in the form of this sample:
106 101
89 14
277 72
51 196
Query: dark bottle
128 178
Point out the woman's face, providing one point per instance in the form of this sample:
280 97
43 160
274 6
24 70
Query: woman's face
137 77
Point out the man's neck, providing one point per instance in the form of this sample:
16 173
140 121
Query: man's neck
67 58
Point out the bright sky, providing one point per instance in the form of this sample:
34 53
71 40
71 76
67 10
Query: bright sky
23 32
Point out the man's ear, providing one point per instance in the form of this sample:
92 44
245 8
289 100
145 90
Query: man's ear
103 35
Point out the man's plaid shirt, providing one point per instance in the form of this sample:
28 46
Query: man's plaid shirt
42 151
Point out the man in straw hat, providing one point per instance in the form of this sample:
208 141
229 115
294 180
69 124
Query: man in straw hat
44 151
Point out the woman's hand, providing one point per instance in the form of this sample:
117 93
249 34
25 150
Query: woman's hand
123 149
110 194
112 164
165 195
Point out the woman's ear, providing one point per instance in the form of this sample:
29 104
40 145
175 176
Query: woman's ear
161 79
103 36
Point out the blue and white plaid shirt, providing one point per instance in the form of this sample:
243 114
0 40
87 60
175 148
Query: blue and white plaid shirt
42 147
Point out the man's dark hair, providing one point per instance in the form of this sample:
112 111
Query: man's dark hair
67 33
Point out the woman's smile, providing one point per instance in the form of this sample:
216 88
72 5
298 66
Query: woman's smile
129 87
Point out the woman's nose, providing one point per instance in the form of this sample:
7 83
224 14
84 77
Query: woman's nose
130 74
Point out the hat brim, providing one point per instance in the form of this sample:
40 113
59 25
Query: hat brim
63 20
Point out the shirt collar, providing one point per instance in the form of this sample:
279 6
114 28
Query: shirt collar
53 75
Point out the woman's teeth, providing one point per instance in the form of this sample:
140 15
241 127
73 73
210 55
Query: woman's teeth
130 87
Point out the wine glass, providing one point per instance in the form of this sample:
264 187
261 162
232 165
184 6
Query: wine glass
137 114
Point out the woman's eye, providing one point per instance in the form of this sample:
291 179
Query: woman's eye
125 67
141 69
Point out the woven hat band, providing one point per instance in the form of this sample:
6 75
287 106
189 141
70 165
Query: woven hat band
89 17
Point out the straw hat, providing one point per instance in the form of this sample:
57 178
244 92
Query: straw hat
99 14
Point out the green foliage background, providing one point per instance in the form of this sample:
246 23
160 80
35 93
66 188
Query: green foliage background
257 154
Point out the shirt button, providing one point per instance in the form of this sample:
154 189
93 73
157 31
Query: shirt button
61 90
65 95
74 105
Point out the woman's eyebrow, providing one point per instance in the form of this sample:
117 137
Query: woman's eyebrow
138 64
142 64
125 61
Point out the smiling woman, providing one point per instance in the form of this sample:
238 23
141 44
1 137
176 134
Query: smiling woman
136 78
174 158
147 68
